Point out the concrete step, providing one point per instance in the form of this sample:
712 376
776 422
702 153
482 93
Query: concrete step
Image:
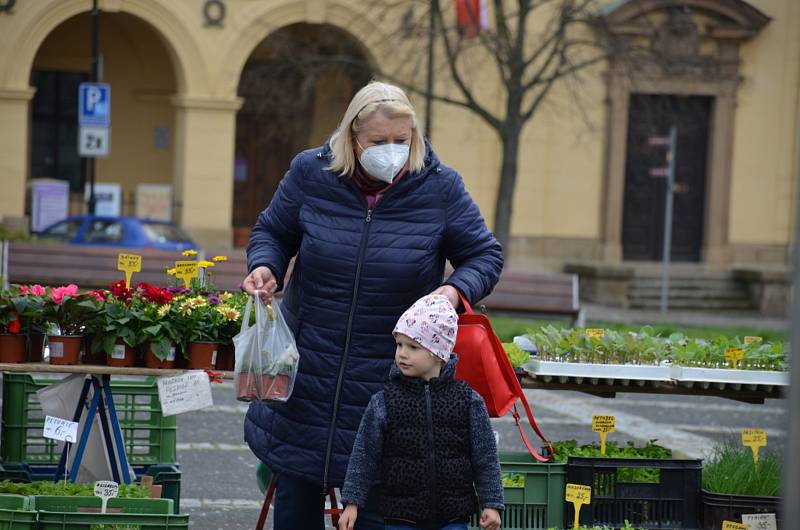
687 282
693 304
689 293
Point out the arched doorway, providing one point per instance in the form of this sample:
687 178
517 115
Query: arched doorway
138 66
296 85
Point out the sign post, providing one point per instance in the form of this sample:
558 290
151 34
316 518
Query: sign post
671 142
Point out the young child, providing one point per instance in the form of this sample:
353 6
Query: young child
425 444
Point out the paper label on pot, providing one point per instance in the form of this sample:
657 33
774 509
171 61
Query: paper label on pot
751 340
171 354
760 521
105 489
214 358
734 356
185 392
595 332
56 349
118 352
60 429
732 525
754 439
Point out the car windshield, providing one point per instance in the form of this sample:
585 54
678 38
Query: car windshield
164 233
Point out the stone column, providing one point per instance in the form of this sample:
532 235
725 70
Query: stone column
14 156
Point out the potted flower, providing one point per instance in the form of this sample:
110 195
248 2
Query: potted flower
232 308
156 325
277 377
12 341
114 332
34 324
198 323
69 311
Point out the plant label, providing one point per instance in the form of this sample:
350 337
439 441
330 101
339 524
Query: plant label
105 489
595 332
186 270
578 495
750 340
760 521
185 392
603 425
754 439
731 525
129 263
60 429
734 356
118 352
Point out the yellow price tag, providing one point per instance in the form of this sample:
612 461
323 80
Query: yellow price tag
186 270
578 495
734 356
754 439
731 525
751 340
603 425
595 332
129 263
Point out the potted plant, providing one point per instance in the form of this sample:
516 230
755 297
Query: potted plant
69 311
12 340
115 332
34 324
232 308
159 334
198 323
277 377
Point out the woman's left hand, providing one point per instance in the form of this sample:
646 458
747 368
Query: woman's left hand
450 292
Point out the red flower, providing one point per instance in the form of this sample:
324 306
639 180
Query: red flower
120 291
15 325
154 294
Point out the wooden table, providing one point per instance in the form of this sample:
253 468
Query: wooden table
96 369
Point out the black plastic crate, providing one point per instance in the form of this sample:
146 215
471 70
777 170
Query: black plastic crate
671 503
718 507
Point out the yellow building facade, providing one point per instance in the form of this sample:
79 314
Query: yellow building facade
187 78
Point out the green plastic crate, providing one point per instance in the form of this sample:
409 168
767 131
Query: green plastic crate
14 513
61 513
539 504
149 437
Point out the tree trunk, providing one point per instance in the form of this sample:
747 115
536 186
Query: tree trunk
508 181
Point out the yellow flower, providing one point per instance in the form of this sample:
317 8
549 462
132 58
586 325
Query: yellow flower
172 271
205 264
189 252
229 313
224 297
220 258
185 308
163 310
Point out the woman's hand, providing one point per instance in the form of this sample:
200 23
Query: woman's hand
451 293
490 519
348 518
261 280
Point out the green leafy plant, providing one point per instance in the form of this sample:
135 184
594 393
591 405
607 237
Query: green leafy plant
731 470
69 489
516 355
69 309
564 449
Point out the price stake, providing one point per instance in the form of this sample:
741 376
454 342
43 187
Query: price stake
578 495
186 270
750 340
596 332
754 439
129 263
603 425
760 521
731 525
734 356
105 489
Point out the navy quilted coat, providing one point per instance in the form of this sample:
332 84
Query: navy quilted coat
356 271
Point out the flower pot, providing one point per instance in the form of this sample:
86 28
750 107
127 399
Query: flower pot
151 361
202 355
122 355
65 349
225 358
274 388
246 389
12 348
35 347
92 356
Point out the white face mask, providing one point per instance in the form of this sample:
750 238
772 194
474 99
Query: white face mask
383 162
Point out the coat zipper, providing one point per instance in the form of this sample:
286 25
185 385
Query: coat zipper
361 249
431 449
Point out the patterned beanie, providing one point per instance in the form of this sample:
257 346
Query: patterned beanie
432 323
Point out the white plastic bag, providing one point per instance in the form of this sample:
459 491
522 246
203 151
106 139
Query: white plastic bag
266 355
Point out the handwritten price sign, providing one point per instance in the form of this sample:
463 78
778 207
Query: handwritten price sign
129 263
750 340
760 521
186 270
603 425
578 495
105 489
596 332
734 356
731 525
754 439
60 429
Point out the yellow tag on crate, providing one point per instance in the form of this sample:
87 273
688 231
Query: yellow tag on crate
754 439
596 332
578 495
603 425
731 525
751 340
129 263
186 270
734 356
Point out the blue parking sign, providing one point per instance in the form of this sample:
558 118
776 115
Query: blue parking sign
94 104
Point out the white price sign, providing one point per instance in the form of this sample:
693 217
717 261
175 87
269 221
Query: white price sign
93 141
105 489
760 521
60 429
185 392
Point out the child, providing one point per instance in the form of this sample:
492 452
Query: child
425 439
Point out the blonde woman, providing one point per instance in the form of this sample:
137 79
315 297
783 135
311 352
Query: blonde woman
370 218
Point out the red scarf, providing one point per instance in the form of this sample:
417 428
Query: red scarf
371 188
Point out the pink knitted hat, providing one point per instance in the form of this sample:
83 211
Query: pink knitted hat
432 323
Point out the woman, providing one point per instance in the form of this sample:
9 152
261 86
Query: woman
370 218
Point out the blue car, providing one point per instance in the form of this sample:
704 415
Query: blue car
131 232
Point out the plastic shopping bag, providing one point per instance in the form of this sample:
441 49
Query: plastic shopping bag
266 355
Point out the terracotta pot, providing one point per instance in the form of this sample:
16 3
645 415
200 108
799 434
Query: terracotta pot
274 387
122 355
35 347
12 348
226 358
65 349
151 361
202 355
90 356
246 389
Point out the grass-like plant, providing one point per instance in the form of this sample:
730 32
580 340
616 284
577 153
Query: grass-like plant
731 470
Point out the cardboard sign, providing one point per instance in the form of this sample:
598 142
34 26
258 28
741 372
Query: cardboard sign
60 429
603 425
578 495
731 525
734 356
760 521
595 332
129 263
185 392
750 340
105 489
754 439
186 270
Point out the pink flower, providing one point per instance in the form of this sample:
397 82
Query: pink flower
38 290
59 293
24 289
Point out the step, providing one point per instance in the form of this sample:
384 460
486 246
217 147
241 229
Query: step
696 305
687 282
694 294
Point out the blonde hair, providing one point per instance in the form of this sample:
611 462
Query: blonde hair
374 97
